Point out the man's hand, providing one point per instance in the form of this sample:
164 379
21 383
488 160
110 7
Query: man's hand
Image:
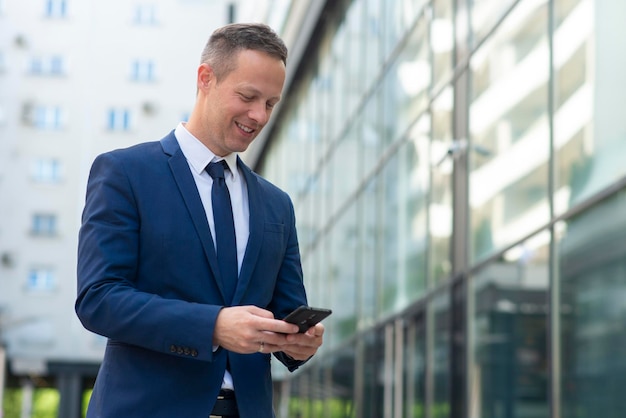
250 329
303 346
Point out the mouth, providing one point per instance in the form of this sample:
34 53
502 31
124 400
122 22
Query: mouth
247 130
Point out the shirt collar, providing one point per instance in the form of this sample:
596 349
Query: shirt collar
198 155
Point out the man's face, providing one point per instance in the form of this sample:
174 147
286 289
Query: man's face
236 108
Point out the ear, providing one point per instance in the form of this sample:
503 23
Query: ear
205 76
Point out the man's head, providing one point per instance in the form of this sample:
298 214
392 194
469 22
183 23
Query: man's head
221 50
239 81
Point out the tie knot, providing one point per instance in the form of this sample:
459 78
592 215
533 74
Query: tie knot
216 169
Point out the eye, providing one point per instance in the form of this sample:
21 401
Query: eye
245 98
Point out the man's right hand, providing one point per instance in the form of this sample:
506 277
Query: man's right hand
250 329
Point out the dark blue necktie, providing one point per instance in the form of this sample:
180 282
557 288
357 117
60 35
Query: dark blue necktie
224 229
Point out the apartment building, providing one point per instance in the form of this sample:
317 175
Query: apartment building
78 78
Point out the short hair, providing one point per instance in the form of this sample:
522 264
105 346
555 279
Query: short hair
226 42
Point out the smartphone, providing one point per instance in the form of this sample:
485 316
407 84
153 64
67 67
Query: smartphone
305 317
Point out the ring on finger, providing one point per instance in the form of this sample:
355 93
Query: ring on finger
261 347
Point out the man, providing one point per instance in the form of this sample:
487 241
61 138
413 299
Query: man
150 277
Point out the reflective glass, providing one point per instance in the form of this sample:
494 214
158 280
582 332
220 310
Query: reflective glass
392 295
485 14
413 194
415 367
373 36
373 352
441 39
369 253
592 274
343 168
338 61
589 125
357 50
509 144
440 311
339 392
440 212
342 279
509 365
406 85
372 133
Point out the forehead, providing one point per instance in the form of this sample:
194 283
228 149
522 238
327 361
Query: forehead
258 71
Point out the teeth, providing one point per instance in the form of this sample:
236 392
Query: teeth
244 128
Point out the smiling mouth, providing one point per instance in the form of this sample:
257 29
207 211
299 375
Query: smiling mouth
244 128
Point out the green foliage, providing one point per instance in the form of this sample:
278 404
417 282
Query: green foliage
313 408
45 403
12 403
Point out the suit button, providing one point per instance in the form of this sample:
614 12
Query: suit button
173 348
179 350
194 353
187 351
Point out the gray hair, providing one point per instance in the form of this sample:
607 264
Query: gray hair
226 42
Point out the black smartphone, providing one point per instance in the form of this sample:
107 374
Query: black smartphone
305 317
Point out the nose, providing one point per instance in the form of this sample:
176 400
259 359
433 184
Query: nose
259 113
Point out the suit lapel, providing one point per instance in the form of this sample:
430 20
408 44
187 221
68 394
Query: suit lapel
187 186
256 225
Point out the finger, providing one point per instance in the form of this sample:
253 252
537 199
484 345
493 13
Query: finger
255 310
278 326
316 331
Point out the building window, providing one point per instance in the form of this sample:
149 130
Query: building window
56 8
142 70
41 279
47 170
119 120
52 65
44 224
47 117
145 14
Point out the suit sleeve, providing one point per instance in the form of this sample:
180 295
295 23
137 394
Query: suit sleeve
108 300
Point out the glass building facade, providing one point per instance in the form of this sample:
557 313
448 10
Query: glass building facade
458 169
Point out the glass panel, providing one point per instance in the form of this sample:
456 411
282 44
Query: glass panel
342 281
485 14
372 134
442 40
440 216
415 369
344 169
589 127
373 375
369 254
300 400
357 49
406 85
338 74
509 132
340 391
592 261
391 293
372 39
441 355
413 193
509 357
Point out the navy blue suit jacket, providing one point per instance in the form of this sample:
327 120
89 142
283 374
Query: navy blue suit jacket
148 280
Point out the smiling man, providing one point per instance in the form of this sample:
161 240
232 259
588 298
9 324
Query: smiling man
188 260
